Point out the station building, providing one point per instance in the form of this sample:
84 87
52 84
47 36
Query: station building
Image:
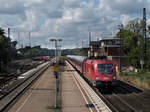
111 48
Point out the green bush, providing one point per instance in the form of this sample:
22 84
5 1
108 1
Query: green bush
140 79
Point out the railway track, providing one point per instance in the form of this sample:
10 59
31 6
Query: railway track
6 80
123 97
9 94
126 98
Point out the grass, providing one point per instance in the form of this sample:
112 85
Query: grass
140 79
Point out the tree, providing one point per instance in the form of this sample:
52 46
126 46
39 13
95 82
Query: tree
132 41
4 48
128 41
84 52
7 51
134 57
2 32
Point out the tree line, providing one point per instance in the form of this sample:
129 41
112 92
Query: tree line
133 44
7 51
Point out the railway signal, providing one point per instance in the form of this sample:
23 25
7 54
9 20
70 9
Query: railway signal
56 70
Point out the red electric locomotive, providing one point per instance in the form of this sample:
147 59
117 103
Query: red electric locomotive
99 72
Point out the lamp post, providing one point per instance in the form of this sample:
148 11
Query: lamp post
56 46
56 70
59 50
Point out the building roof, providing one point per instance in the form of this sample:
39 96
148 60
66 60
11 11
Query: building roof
114 38
94 42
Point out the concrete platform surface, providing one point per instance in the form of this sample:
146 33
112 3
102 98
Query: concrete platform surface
72 98
39 97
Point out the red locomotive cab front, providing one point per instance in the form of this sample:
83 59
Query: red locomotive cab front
106 72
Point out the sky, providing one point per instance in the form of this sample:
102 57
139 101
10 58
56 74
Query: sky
69 20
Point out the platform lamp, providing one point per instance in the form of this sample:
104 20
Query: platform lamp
56 40
57 78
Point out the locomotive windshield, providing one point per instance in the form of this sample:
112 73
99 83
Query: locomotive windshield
105 68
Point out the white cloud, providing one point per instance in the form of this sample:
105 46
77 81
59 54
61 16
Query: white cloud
11 7
122 6
125 19
70 20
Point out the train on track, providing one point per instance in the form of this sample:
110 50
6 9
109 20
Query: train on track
99 72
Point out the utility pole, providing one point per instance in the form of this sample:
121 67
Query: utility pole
56 49
89 38
59 50
29 39
18 38
10 51
121 41
90 51
31 55
144 34
9 32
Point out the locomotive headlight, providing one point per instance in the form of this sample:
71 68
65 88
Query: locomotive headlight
97 77
95 65
114 78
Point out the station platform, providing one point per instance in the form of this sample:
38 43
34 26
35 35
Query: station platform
73 99
41 95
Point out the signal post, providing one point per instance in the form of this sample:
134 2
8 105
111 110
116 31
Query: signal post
56 74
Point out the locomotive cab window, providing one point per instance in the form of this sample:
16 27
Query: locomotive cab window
105 68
